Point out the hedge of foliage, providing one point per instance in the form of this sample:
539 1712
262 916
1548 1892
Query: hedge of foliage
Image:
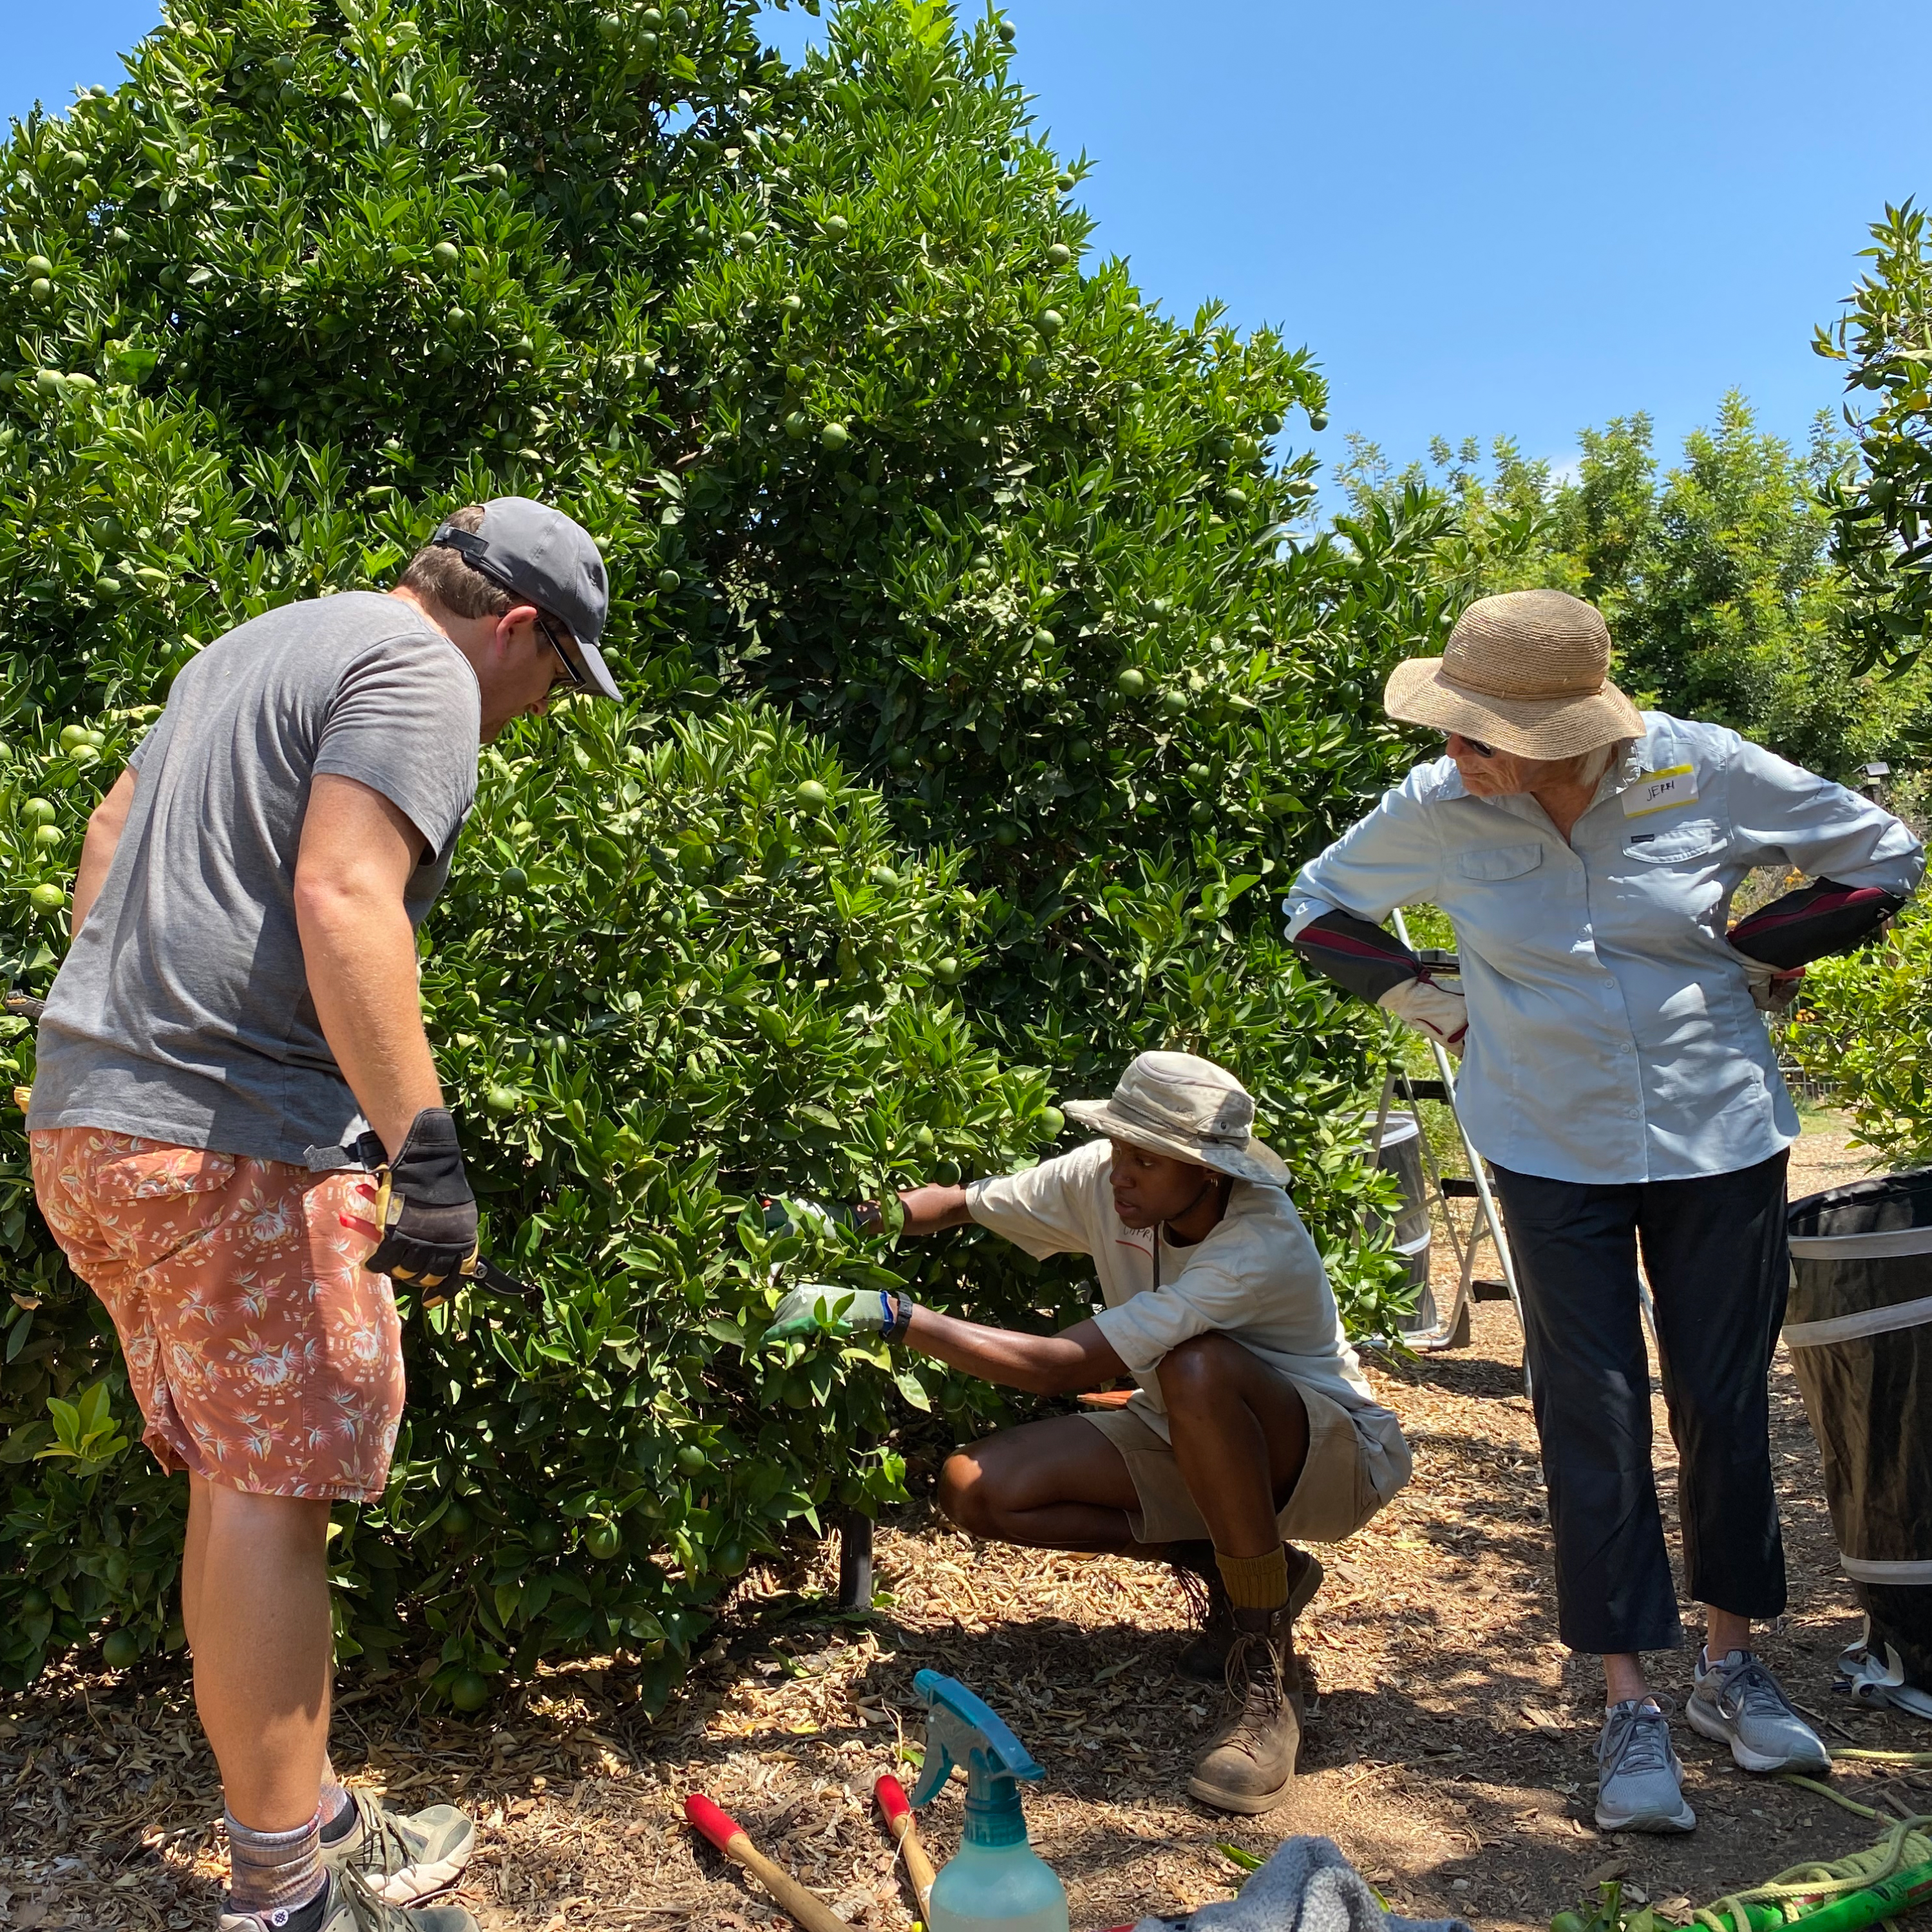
978 712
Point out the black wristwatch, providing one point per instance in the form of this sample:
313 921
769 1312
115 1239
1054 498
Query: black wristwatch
902 1307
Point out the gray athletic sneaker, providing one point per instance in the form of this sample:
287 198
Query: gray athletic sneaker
402 1858
1639 1782
350 1905
1737 1702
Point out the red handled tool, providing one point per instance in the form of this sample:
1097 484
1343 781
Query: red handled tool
899 1821
803 1906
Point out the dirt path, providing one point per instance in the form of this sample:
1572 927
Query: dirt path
1451 1758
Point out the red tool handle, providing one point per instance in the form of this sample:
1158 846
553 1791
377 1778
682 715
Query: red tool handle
709 1821
892 1800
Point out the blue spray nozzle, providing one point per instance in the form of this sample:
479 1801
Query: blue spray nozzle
963 1729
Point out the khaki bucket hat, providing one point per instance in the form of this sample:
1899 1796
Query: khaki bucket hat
1527 671
1179 1104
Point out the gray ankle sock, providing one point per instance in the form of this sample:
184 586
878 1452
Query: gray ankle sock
334 1810
270 1871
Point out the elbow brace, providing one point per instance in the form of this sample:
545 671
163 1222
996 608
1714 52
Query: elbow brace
1813 922
1376 967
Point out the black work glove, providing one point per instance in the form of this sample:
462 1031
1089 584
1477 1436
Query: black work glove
425 1207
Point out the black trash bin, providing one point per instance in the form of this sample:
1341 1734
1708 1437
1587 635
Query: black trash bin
1859 1328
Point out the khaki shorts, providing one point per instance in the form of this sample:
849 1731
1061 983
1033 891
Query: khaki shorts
1353 1466
265 1356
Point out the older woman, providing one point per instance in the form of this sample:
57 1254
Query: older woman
1617 1075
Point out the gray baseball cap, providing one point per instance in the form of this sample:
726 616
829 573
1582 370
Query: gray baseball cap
535 552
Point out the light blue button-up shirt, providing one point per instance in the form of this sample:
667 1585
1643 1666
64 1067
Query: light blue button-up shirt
1612 1038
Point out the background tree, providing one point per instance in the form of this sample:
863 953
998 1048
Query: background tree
977 709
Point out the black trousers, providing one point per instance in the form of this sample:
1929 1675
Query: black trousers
1714 1248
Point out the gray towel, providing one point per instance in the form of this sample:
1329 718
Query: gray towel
1307 1886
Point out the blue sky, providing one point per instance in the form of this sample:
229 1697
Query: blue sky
1484 217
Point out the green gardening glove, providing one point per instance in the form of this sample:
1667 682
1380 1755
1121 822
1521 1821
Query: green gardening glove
816 1307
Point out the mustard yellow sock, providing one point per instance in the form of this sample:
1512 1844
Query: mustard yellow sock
1255 1582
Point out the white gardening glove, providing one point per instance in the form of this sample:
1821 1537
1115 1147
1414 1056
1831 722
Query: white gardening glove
1432 1008
1772 988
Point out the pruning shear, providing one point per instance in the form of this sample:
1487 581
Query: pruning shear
486 1275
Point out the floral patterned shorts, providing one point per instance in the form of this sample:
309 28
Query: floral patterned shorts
264 1356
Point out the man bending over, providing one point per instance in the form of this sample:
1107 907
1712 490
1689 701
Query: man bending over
1251 1423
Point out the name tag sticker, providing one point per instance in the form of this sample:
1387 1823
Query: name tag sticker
1661 791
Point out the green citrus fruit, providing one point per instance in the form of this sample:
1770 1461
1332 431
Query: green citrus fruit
1053 1123
1318 420
39 811
945 970
445 255
34 1602
1199 774
812 796
39 265
1173 703
456 1519
107 585
792 304
669 580
610 27
923 1141
469 1691
72 735
48 900
41 289
1201 813
835 436
692 1460
652 17
1131 683
797 425
837 227
1051 322
1042 639
49 835
1234 499
603 1539
900 758
1006 30
1059 255
496 174
1271 424
121 1650
49 382
502 1099
797 374
515 879
1065 183
1080 751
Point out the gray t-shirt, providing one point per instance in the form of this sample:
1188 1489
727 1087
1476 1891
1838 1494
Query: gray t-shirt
182 1012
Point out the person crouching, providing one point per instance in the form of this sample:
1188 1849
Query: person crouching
1251 1423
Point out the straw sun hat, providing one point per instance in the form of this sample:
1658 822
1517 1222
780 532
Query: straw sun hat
1178 1104
1527 672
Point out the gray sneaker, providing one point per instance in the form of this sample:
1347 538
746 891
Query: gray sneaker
402 1858
1639 1782
1737 1702
350 1905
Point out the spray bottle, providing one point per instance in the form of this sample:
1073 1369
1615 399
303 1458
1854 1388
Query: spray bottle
998 1883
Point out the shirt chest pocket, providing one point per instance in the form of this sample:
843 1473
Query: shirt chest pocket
1496 863
1694 839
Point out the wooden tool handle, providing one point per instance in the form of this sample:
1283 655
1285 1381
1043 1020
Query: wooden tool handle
892 1801
798 1903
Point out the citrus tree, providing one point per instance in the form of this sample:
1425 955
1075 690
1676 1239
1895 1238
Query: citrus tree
977 709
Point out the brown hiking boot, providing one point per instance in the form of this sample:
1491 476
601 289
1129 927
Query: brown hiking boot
1250 1764
1204 1656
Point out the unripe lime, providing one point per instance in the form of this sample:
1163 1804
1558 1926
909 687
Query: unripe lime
945 970
798 425
835 436
39 265
1173 703
692 1460
496 174
1199 774
837 227
1052 1123
1059 255
652 17
1318 420
514 879
1006 30
812 796
1201 813
49 382
72 735
1271 424
900 758
603 1539
792 304
402 102
107 585
923 1141
445 255
647 45
47 900
42 290
469 1691
797 374
121 1650
1006 833
1235 499
502 1099
1131 683
1051 322
610 27
883 876
1080 751
1064 182
48 835
34 1602
39 811
456 1519
669 580
1042 639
